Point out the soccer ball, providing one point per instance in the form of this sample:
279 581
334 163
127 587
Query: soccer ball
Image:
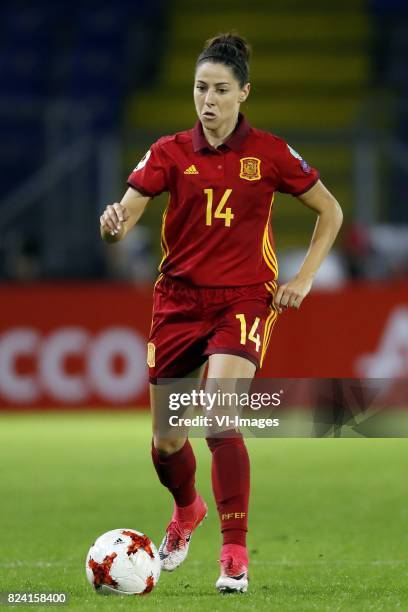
123 561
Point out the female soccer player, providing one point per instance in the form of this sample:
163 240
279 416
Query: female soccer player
216 297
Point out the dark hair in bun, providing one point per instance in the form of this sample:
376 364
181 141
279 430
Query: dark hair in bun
231 50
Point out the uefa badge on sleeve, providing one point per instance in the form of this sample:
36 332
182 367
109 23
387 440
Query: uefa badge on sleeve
305 167
143 161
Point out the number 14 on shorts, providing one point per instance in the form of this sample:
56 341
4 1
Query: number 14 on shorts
252 336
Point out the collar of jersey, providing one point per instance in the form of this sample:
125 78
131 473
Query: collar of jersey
234 142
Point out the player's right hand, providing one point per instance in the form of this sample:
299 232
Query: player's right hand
113 218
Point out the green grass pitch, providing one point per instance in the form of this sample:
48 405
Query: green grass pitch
328 517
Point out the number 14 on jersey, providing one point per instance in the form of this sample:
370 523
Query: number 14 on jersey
219 213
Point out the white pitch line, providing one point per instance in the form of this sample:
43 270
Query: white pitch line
14 564
318 562
282 563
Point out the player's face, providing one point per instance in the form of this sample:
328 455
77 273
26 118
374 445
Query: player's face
217 94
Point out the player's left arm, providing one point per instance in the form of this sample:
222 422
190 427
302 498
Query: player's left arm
330 217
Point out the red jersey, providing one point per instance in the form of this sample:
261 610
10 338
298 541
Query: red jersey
216 228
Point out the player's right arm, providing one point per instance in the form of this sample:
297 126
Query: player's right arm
147 180
118 219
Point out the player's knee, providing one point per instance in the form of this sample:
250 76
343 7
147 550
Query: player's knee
168 446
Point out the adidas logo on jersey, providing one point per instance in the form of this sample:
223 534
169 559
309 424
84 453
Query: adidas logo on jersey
191 170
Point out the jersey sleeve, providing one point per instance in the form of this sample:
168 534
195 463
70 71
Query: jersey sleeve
150 175
295 176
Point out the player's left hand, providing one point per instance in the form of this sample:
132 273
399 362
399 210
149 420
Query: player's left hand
292 293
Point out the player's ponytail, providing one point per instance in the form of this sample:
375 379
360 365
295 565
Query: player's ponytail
231 50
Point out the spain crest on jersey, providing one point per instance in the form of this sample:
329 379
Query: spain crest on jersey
250 168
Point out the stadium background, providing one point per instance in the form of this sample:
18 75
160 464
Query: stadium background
86 87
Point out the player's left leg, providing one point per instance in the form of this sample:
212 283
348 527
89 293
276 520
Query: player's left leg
231 479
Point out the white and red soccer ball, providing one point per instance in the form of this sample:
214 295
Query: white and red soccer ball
123 561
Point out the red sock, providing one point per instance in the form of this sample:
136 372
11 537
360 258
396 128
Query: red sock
230 481
238 553
177 473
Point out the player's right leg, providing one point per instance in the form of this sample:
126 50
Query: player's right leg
175 348
174 461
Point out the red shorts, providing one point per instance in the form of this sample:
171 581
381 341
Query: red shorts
190 323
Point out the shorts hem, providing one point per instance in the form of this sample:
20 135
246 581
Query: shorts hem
153 379
237 352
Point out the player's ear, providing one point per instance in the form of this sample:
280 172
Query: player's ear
244 93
